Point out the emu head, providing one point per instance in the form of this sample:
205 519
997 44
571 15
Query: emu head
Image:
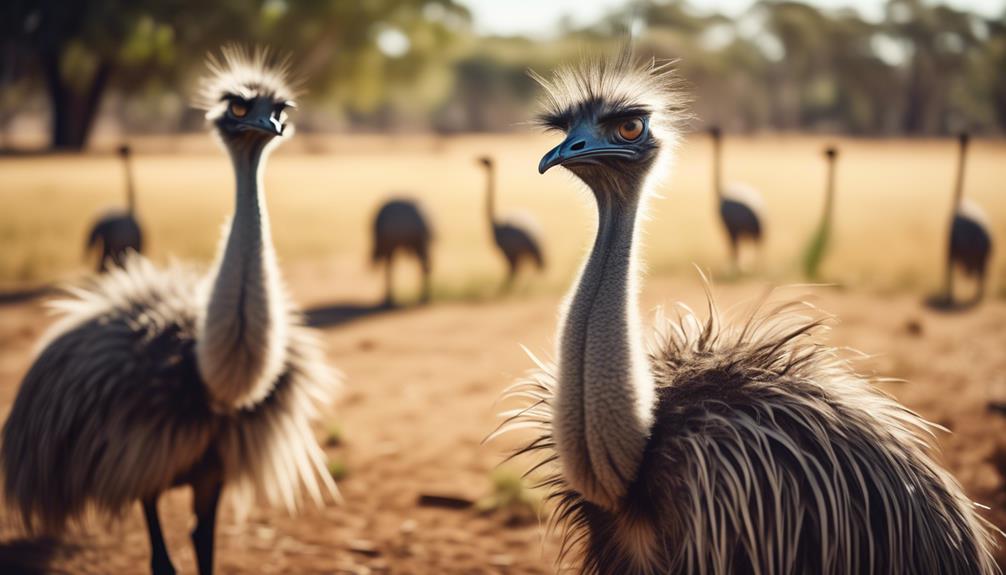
486 161
616 115
246 95
831 152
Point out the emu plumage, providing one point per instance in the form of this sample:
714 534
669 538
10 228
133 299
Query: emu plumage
162 377
747 447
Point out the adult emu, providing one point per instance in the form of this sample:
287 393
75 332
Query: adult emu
400 225
118 233
970 242
161 378
726 448
740 206
517 242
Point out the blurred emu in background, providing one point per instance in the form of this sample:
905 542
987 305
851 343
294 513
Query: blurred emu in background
515 239
401 226
970 242
117 232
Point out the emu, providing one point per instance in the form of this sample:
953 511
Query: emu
818 246
117 232
401 226
739 206
725 447
517 243
156 378
970 242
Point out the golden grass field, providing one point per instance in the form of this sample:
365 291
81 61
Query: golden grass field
421 381
892 204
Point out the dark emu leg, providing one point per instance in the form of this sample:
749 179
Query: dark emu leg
205 499
160 563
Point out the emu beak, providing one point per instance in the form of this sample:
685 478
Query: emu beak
268 124
581 146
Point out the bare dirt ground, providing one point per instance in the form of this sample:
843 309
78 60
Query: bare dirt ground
420 387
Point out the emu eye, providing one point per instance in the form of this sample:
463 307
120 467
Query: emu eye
238 109
630 129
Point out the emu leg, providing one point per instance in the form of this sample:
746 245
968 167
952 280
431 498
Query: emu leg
980 288
205 499
424 262
949 282
735 256
511 274
388 280
160 563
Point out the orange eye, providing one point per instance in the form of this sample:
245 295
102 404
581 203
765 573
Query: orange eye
238 109
631 129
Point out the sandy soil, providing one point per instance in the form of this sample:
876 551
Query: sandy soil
420 387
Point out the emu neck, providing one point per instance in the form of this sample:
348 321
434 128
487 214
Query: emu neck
959 182
606 391
717 169
491 195
130 189
242 342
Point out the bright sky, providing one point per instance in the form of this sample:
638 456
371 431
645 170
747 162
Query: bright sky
541 17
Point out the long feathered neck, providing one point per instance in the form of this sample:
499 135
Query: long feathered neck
491 195
717 168
130 187
606 391
241 346
959 182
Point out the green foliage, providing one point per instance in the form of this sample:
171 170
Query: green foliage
334 435
815 251
417 63
338 469
510 494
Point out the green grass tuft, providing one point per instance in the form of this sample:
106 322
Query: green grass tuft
334 436
338 469
510 493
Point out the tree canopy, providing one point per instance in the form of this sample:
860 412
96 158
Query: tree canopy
418 64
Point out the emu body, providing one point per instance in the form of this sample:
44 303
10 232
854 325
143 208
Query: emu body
515 240
970 242
724 447
157 378
739 206
117 232
401 226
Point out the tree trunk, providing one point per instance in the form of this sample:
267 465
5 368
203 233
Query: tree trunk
73 111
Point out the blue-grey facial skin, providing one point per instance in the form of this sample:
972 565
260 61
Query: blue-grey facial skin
589 142
612 166
262 117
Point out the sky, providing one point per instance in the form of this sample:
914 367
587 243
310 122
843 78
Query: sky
540 18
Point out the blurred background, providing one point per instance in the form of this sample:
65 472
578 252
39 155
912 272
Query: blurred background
401 99
71 69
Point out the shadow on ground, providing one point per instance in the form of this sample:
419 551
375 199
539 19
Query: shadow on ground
342 313
20 296
942 303
32 556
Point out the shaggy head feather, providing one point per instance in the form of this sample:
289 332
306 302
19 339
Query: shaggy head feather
245 91
613 87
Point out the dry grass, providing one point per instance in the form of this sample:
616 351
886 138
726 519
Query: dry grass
891 208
